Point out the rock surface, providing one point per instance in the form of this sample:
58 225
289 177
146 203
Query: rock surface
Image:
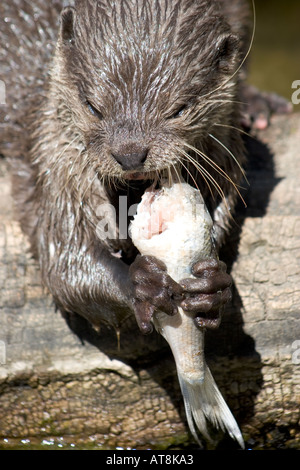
65 385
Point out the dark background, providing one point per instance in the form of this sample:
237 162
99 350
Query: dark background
275 56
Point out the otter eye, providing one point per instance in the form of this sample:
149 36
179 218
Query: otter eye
94 110
179 112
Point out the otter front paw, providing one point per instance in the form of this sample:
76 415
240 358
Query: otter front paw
153 289
259 106
208 293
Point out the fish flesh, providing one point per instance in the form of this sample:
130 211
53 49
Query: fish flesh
173 224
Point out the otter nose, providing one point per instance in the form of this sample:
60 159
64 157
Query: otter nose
130 157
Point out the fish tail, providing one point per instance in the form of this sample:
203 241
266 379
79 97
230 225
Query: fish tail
203 401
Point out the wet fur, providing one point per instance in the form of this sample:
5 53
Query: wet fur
159 77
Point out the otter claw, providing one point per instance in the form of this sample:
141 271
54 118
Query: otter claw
153 289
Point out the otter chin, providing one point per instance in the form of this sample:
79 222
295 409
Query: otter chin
140 175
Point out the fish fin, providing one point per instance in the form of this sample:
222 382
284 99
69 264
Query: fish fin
203 401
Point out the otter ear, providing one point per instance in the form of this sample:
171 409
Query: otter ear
227 49
67 25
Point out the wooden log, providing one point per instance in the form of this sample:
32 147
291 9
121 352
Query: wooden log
64 384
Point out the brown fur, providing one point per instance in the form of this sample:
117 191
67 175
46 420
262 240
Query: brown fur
135 83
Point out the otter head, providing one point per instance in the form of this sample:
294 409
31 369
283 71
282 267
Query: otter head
143 82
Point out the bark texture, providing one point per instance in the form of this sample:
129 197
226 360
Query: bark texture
64 384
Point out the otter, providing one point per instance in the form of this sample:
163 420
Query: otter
135 90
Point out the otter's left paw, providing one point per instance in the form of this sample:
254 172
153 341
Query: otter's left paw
152 289
207 293
259 106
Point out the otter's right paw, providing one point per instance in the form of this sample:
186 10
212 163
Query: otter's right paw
153 289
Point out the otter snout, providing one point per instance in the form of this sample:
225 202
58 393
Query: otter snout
130 156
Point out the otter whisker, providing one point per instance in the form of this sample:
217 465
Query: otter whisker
228 80
174 175
192 177
242 131
203 171
88 187
214 165
223 101
231 154
177 172
250 44
57 162
218 169
70 174
58 157
215 184
80 197
224 174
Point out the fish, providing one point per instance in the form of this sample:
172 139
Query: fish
173 224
